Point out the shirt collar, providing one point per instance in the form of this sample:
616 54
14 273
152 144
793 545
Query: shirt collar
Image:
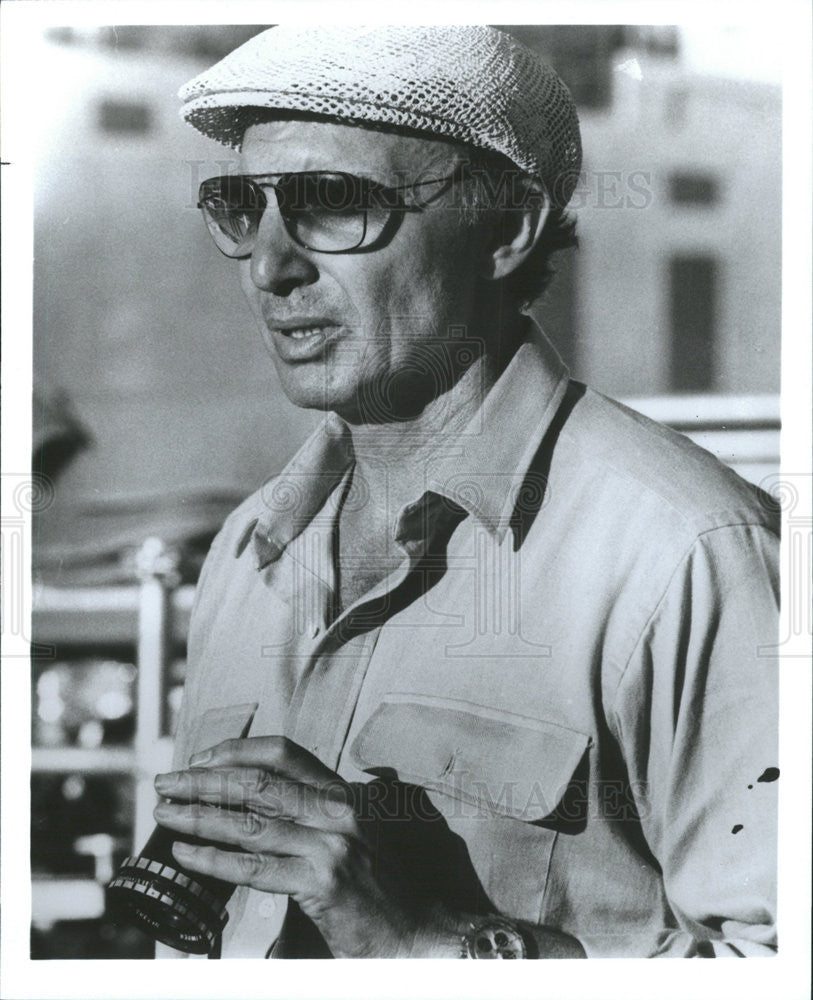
486 470
481 470
288 503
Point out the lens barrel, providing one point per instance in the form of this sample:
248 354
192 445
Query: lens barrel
184 910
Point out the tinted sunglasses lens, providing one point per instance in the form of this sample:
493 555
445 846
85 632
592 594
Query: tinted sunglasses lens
330 212
232 208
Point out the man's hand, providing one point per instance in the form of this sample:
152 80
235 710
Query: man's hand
291 826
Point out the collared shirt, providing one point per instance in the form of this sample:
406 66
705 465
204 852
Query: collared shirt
574 661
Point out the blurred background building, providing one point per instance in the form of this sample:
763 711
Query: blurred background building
156 409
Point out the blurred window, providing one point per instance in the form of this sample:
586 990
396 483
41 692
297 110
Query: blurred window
125 36
676 107
134 117
657 39
693 293
693 189
60 36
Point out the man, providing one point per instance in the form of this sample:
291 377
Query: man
479 674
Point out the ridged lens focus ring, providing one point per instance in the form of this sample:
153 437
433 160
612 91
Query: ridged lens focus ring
167 904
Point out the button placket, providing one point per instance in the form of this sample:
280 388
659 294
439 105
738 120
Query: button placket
335 651
340 656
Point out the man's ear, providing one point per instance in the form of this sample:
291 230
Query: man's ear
517 229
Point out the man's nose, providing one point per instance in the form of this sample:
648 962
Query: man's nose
278 264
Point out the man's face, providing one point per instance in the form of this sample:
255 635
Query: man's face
364 334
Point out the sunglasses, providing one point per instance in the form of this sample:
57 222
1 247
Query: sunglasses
324 211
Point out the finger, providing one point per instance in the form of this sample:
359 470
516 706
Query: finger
276 754
269 873
250 788
248 830
234 788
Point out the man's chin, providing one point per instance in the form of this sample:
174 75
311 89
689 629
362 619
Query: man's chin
307 400
316 396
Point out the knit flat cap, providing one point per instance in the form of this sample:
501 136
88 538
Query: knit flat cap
466 82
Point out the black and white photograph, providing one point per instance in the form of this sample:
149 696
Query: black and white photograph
406 500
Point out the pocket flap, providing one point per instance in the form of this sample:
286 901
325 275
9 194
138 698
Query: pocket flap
217 724
499 762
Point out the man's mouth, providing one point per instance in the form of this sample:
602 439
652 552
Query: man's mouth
300 326
302 338
301 332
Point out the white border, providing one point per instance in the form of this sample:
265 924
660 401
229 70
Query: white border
785 976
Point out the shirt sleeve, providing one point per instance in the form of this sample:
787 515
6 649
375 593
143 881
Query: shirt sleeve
696 714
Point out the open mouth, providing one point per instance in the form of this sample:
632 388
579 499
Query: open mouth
301 339
300 327
303 332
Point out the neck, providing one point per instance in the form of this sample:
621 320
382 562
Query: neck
390 457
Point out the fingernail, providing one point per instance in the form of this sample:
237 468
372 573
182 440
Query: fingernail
163 781
185 850
162 810
200 758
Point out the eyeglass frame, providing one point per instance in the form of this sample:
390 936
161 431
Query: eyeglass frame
390 227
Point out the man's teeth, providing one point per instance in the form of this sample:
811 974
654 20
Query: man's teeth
300 333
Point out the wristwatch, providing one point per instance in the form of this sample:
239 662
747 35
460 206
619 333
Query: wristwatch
493 937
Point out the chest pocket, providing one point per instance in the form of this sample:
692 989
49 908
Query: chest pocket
505 784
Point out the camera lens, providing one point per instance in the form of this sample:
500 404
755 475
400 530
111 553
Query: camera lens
182 909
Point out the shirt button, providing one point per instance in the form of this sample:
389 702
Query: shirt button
267 907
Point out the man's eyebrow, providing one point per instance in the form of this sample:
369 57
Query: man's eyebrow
400 178
364 175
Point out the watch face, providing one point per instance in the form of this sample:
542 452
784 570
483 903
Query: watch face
496 940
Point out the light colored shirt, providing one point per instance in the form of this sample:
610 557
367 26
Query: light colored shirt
573 660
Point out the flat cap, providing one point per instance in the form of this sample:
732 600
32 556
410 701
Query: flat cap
471 83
